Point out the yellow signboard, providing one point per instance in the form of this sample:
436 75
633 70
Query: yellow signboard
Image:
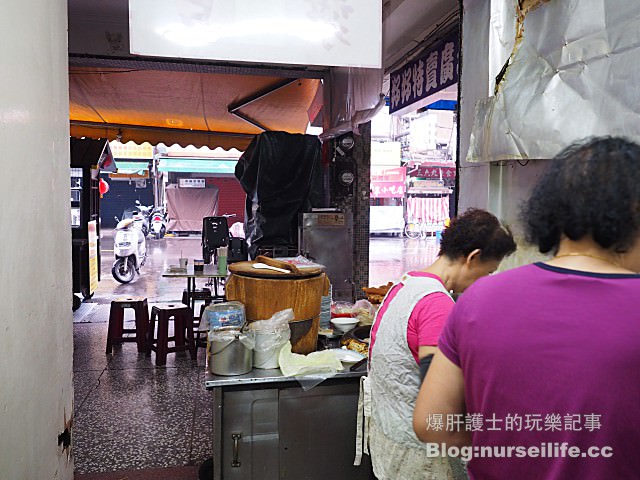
131 150
93 256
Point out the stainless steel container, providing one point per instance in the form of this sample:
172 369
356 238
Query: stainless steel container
230 353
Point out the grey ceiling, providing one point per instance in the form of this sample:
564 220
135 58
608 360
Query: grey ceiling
405 22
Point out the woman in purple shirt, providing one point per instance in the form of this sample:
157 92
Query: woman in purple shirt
536 376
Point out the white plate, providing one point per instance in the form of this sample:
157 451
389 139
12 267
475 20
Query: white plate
347 356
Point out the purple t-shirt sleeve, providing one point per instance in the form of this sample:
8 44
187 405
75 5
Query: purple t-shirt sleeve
448 342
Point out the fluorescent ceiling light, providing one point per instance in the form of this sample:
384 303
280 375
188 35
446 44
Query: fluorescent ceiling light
306 32
204 34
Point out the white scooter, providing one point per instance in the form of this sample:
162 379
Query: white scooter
130 249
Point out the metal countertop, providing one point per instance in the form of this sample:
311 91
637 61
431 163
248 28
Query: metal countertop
257 376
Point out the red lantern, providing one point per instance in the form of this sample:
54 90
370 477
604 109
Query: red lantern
103 187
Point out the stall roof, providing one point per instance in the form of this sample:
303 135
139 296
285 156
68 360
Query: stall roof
197 165
188 108
130 166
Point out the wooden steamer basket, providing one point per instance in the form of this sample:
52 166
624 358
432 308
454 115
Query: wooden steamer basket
265 292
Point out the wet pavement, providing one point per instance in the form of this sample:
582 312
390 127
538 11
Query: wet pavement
132 415
391 257
150 284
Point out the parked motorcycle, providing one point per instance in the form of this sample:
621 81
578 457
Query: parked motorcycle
158 222
145 216
130 249
140 214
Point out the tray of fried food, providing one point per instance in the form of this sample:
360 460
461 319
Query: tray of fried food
376 294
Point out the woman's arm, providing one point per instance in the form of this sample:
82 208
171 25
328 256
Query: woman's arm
424 350
442 392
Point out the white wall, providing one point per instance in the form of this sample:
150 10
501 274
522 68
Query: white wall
474 85
500 189
36 341
509 186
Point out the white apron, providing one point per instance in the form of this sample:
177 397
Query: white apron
388 396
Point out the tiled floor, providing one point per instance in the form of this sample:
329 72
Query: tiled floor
172 473
134 418
129 414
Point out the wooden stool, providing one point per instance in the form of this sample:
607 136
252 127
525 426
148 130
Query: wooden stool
116 330
182 320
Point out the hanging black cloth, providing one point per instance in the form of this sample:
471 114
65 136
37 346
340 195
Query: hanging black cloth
281 174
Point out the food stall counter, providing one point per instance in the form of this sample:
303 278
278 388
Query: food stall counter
259 376
267 427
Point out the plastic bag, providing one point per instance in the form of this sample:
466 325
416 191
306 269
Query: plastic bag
301 262
272 333
226 336
341 309
364 311
309 369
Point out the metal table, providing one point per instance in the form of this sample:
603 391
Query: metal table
209 272
266 427
259 376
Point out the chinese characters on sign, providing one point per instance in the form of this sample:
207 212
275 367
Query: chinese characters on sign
553 422
436 172
387 182
388 174
387 190
433 71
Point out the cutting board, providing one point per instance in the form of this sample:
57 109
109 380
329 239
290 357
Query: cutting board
246 269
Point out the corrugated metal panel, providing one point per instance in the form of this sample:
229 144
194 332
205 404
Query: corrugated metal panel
231 198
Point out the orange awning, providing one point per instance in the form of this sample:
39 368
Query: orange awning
187 108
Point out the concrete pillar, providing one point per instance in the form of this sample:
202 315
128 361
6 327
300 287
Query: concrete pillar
36 335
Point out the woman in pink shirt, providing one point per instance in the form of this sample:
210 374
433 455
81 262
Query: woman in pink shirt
404 337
